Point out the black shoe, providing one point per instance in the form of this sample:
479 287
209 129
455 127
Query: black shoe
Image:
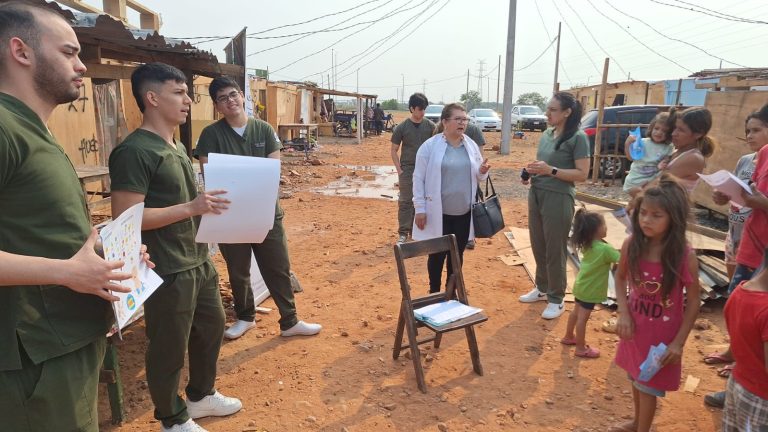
715 400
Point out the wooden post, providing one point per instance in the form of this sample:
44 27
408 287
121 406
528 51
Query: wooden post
555 85
679 87
647 87
359 120
185 130
600 115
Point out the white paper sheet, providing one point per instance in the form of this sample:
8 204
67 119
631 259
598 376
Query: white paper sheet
121 241
252 184
728 184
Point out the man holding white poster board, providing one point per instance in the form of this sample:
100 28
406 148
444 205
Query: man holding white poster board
185 312
237 134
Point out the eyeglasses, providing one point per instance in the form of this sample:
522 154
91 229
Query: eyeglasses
461 119
232 95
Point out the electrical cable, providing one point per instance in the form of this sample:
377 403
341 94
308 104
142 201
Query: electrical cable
586 27
671 38
704 12
544 25
554 2
636 39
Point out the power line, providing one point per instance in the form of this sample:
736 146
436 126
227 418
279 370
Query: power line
544 25
636 39
313 19
439 9
329 27
586 27
538 57
710 12
671 38
554 2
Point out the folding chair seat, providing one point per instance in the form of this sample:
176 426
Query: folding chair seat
455 290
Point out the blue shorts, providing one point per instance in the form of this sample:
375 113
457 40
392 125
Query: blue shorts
585 305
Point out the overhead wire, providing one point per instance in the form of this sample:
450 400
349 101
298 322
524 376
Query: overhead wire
671 38
313 19
636 39
586 27
544 25
554 2
710 12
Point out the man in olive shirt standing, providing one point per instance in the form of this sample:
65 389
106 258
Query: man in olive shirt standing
186 310
407 137
54 307
236 134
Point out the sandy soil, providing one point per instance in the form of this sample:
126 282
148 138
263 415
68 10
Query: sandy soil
345 378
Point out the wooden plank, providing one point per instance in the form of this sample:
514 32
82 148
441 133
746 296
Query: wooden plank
522 244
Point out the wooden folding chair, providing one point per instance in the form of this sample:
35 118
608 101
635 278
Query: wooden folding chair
454 290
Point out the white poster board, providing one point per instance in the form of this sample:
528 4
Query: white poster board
121 241
259 287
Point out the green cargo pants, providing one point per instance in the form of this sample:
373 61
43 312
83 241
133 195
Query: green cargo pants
59 394
185 313
405 208
275 267
549 221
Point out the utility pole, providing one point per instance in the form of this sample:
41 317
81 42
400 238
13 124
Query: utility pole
488 90
357 79
556 85
506 129
403 75
498 82
467 81
424 86
481 63
333 70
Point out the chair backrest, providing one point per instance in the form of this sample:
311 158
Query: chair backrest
447 243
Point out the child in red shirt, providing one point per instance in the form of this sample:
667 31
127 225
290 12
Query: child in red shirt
746 315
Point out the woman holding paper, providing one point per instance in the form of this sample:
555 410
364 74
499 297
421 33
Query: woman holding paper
449 167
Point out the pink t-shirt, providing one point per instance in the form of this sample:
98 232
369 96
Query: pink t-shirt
755 233
655 320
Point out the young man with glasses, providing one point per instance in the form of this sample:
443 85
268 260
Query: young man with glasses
185 313
237 134
407 137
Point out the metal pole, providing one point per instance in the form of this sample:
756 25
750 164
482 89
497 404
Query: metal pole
506 129
600 117
555 86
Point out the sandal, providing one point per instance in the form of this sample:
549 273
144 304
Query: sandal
589 353
717 358
725 371
568 341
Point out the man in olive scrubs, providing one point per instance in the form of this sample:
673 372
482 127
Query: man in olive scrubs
407 137
54 309
185 312
237 134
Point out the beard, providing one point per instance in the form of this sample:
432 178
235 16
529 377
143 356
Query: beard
53 85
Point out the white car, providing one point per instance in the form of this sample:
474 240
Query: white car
433 113
529 117
485 119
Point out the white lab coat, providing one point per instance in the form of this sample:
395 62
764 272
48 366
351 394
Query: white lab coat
427 183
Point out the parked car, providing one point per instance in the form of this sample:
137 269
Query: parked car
529 117
433 113
485 119
612 139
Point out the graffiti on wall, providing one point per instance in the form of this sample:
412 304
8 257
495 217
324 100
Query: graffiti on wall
81 101
88 146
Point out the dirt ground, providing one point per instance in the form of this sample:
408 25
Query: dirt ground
345 379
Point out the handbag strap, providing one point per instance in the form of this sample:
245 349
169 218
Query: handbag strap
479 197
489 182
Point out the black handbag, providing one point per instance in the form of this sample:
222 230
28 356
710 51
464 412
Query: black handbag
486 212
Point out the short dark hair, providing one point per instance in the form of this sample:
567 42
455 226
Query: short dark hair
153 74
418 100
17 19
219 83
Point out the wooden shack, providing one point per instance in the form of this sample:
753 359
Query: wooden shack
621 93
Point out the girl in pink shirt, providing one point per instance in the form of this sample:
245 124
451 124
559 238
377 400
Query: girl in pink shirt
656 265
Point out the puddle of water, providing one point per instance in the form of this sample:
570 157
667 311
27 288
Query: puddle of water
372 181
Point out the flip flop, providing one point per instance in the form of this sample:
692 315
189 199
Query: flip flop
568 341
589 353
717 358
725 371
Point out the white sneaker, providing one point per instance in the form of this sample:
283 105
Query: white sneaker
302 329
238 329
533 296
216 405
189 426
402 238
553 310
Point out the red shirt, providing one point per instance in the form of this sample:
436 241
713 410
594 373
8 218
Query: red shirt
746 315
754 238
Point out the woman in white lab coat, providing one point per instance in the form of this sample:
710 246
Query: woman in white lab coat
449 167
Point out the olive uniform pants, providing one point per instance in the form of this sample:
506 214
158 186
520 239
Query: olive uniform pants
184 314
549 221
405 210
59 394
275 267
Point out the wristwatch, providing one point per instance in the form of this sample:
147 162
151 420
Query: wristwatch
554 172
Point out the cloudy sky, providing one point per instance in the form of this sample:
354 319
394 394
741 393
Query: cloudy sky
430 44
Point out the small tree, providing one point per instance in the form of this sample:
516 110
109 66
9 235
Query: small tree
390 104
471 99
532 98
